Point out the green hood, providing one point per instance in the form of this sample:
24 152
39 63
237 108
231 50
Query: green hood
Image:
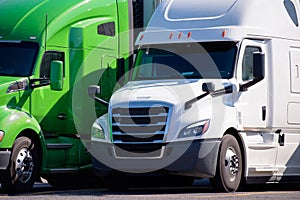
6 80
11 83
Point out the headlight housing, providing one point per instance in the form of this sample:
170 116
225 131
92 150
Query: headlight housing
196 129
97 131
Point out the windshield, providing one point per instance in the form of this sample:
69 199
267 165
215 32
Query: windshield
17 58
187 60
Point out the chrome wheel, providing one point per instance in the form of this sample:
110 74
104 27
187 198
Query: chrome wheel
24 165
229 167
231 164
23 169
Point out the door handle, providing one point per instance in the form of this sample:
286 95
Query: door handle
264 113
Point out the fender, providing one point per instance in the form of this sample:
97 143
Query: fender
13 122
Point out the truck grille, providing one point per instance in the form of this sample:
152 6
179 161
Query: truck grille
139 125
139 129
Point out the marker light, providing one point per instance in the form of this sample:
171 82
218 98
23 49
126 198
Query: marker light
189 35
1 135
179 35
171 36
141 38
224 33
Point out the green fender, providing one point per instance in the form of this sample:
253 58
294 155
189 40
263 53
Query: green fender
15 122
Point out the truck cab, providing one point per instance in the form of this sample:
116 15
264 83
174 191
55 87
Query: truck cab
50 51
212 95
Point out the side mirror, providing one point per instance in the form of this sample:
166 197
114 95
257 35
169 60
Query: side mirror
93 90
208 87
258 70
56 75
258 65
228 89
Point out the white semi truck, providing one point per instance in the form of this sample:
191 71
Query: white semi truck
214 93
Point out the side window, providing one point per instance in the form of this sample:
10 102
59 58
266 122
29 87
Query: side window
107 29
247 68
49 56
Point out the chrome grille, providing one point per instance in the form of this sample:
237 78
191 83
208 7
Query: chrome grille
139 125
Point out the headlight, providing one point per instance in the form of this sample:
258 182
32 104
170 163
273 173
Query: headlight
1 135
97 131
196 129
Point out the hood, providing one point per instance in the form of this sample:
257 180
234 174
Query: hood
12 84
166 91
5 80
9 87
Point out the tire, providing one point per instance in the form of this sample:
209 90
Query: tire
23 168
230 166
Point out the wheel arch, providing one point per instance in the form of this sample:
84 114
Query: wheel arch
36 138
235 133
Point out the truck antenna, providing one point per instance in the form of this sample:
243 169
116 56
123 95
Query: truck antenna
46 30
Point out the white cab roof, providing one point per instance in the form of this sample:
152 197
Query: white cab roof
204 20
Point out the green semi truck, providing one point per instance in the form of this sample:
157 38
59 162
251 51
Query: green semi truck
49 51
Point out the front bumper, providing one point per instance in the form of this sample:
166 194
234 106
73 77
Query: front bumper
194 158
4 159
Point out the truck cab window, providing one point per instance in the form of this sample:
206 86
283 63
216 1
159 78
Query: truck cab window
107 29
247 68
46 62
17 58
186 61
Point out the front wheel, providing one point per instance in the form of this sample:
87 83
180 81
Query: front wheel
23 168
229 167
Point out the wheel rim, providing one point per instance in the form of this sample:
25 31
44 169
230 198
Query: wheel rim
231 164
24 165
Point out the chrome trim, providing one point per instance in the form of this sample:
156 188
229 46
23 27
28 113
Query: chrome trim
162 151
141 134
160 115
143 125
154 142
137 105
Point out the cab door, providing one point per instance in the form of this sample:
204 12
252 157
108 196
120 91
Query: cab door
252 102
49 106
253 110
